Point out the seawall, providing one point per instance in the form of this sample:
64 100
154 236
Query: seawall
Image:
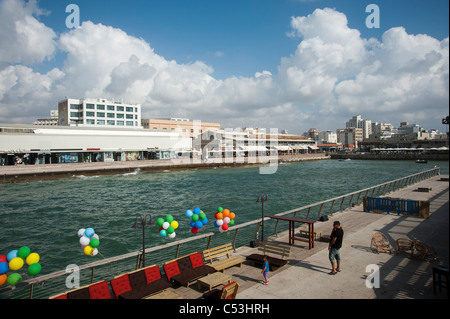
393 156
26 173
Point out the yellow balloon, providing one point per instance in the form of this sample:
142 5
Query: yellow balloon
33 258
174 224
88 250
16 263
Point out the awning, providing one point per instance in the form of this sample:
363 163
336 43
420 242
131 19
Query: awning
282 148
313 147
252 148
299 147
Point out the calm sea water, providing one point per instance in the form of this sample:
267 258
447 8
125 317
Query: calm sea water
46 215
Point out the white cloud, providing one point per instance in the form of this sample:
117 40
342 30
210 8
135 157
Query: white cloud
23 39
332 75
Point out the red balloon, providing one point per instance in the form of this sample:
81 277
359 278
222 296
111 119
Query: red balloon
194 230
3 259
225 226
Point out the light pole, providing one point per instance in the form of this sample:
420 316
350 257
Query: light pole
261 199
144 223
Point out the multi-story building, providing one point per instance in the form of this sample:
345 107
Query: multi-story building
350 137
53 120
98 113
357 122
326 137
184 127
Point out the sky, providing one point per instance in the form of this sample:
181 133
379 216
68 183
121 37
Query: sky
286 64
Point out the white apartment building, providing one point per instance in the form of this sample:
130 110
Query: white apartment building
99 113
326 137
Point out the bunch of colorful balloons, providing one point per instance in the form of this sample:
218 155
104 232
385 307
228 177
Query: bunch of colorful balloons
89 241
167 226
198 219
14 261
224 219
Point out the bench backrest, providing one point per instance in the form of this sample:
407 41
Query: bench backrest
216 252
270 249
120 284
171 269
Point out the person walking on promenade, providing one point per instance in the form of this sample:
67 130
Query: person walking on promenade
265 270
334 247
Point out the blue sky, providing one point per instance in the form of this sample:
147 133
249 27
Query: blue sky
241 37
289 64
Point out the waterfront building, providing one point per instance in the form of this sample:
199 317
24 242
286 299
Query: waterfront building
251 142
99 113
184 127
53 120
31 144
326 137
357 122
350 137
329 147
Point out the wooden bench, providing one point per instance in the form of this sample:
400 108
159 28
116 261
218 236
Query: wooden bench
220 257
270 249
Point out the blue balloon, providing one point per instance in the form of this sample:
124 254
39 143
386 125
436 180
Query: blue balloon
199 224
4 267
205 221
189 213
12 254
163 233
197 210
89 232
215 224
192 223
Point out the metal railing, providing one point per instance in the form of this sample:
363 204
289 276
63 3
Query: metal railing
107 268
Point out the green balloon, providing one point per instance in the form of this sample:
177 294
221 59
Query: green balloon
231 223
202 216
220 209
194 217
160 221
94 242
169 218
34 269
14 279
170 230
23 252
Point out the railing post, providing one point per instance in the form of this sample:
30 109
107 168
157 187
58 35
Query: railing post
234 239
320 210
307 214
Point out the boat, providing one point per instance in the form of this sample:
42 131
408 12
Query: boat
422 161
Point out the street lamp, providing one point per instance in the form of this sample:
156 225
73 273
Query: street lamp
144 223
261 199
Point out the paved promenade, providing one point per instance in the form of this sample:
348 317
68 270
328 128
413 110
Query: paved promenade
401 276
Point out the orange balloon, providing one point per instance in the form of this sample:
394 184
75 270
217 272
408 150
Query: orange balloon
226 212
3 279
219 216
232 215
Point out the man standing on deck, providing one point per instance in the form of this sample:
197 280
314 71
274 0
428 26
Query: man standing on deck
334 247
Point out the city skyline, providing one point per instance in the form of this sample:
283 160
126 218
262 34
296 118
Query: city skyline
293 64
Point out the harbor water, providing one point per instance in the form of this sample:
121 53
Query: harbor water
46 215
